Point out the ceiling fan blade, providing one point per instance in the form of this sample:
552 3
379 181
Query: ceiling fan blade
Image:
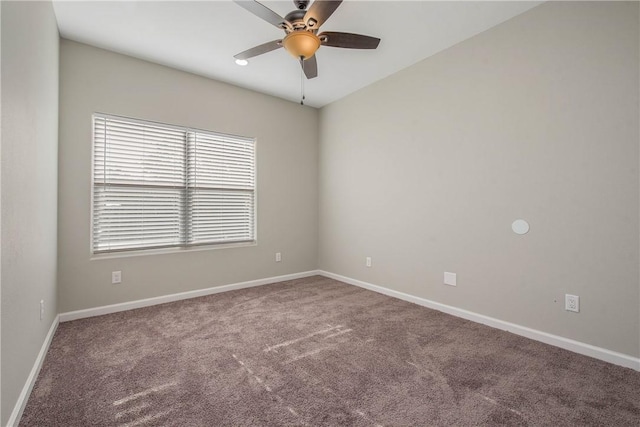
259 50
319 12
310 67
262 11
348 40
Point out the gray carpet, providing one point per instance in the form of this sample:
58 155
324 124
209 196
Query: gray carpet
316 352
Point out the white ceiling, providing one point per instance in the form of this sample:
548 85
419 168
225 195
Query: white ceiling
201 37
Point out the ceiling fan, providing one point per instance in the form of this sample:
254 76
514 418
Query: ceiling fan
301 28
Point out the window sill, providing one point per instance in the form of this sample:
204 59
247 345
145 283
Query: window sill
163 251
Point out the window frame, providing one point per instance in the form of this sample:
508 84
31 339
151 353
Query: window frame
141 251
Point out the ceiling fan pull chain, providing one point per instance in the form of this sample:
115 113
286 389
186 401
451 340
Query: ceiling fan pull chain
301 80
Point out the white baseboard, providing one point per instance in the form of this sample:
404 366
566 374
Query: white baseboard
555 340
114 308
18 409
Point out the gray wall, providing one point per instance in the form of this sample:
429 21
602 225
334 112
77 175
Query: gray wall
29 171
95 80
536 119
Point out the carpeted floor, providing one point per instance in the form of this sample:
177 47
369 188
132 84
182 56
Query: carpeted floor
314 352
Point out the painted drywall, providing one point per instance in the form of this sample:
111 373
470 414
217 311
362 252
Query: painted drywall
94 80
537 119
29 172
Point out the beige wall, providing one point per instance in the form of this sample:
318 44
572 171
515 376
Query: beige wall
536 119
29 188
95 80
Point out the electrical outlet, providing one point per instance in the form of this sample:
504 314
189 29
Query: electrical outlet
572 303
41 309
450 279
116 277
278 257
368 261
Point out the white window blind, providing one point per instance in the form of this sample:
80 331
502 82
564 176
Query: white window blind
158 186
220 182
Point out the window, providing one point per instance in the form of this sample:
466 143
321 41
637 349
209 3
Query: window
161 186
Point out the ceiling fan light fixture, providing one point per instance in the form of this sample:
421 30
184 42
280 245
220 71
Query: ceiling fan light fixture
242 62
301 28
301 44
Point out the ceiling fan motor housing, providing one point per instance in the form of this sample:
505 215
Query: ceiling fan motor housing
296 19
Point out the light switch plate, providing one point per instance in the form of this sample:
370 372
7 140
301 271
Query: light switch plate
116 277
450 278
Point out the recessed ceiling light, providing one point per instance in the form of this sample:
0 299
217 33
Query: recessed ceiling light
242 62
